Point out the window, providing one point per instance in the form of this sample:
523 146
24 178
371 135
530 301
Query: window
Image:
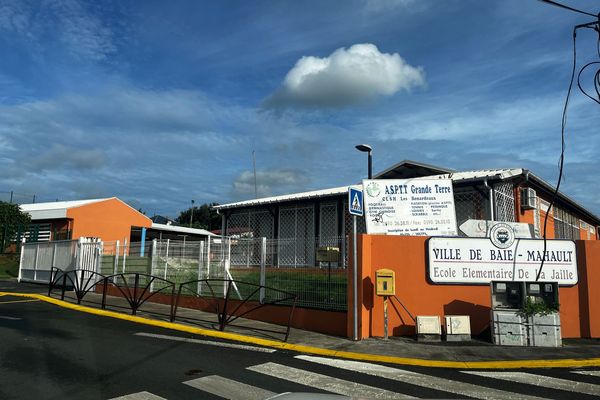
566 225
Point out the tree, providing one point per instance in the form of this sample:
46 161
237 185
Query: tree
12 222
204 217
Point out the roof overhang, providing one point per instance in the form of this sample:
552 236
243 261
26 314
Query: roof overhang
180 229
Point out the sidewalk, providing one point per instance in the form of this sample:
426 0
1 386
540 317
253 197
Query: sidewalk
401 347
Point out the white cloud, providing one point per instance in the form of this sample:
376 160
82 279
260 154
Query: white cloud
347 76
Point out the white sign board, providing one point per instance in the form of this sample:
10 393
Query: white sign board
482 228
415 207
475 260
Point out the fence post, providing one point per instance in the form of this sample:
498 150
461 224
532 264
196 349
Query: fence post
99 254
200 259
153 263
53 264
225 260
167 257
21 259
124 254
35 262
78 254
208 259
116 266
263 268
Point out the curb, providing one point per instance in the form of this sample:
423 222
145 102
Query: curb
561 363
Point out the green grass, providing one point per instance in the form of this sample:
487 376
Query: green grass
9 266
313 289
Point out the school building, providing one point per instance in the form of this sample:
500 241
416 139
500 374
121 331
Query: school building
317 218
512 195
109 219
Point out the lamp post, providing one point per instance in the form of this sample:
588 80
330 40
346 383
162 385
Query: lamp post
364 148
367 149
191 215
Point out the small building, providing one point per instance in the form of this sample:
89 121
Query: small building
109 219
319 217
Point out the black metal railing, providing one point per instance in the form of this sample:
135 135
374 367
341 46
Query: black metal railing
138 288
135 291
227 314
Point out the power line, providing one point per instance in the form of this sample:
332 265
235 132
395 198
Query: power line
595 26
554 3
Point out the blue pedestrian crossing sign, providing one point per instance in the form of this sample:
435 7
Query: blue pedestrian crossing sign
355 200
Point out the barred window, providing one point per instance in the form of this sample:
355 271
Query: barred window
254 223
504 202
470 203
296 234
566 225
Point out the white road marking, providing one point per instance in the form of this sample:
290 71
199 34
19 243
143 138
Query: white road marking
324 382
542 381
10 318
590 373
207 342
229 389
139 396
415 378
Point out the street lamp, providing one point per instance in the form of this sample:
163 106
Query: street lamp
367 149
191 215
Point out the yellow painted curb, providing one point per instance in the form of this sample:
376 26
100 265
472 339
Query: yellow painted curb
562 363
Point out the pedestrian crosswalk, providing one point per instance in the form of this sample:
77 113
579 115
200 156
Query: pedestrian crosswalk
325 382
423 380
363 380
229 389
540 380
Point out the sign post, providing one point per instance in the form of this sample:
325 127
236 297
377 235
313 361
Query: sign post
356 208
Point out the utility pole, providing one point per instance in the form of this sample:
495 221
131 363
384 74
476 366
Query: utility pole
191 214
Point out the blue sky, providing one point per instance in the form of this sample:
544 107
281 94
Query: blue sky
162 102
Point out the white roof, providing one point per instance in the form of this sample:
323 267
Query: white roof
181 229
55 209
455 176
286 197
480 174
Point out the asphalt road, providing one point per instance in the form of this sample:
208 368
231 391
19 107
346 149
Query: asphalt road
47 352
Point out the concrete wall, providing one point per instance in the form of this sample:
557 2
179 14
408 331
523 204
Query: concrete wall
407 257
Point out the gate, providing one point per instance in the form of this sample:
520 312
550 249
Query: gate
38 259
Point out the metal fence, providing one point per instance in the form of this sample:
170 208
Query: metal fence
38 259
259 261
279 264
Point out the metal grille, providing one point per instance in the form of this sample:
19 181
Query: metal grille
470 203
328 223
255 223
566 225
322 286
296 226
504 202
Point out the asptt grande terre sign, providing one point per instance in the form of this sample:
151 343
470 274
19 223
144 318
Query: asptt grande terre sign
479 261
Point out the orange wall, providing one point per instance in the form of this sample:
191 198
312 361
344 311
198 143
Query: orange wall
109 219
407 257
589 281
